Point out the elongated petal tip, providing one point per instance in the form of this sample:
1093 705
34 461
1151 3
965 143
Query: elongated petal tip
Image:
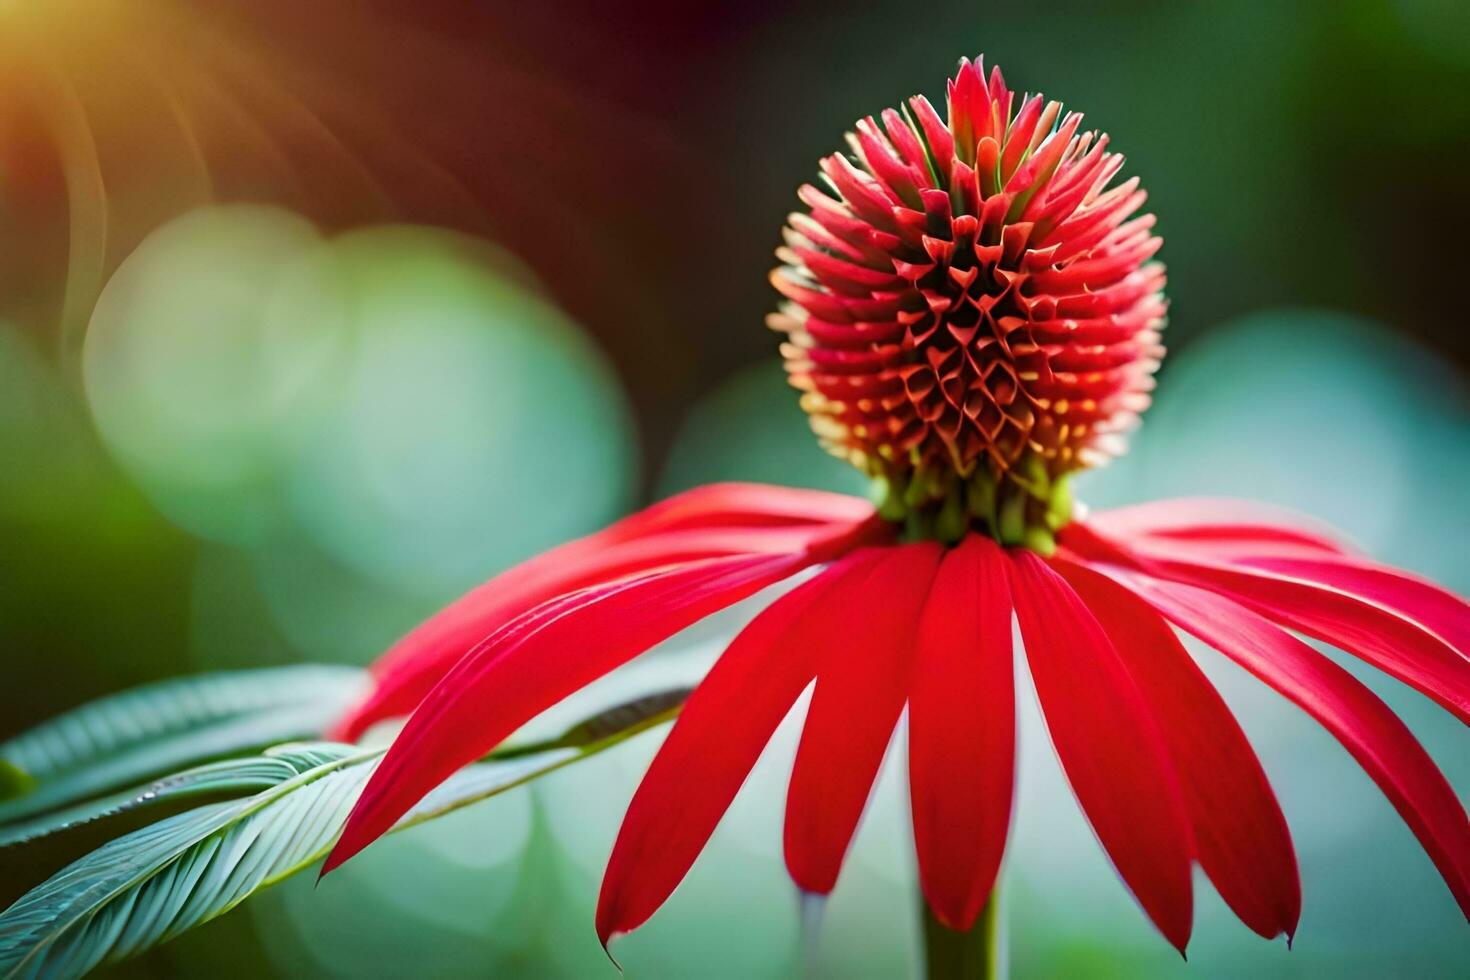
614 918
1179 932
341 853
606 938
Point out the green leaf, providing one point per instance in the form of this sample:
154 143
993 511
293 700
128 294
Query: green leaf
127 738
229 778
35 848
152 884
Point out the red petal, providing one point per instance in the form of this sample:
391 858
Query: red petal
861 687
1208 518
962 731
533 663
725 518
1114 755
1415 598
1395 645
744 505
411 668
1377 739
719 736
1240 834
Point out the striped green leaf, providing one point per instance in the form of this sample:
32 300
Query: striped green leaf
128 738
156 882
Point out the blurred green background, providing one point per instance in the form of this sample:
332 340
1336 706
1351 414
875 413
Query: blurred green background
294 424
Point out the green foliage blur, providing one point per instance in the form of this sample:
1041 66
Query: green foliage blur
288 436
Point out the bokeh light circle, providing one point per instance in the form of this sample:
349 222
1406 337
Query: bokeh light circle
473 424
176 372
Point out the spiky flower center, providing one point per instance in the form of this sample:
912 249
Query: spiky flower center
971 311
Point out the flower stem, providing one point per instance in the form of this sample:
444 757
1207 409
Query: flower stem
974 954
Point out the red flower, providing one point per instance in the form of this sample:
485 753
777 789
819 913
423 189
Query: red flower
972 320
